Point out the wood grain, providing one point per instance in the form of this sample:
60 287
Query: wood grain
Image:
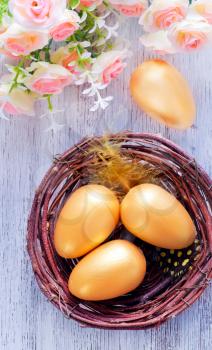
28 321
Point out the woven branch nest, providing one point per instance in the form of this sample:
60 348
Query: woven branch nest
161 296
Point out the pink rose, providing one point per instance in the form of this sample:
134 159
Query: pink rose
163 13
165 18
66 27
130 8
69 62
88 3
62 31
203 8
108 66
14 109
17 41
48 78
66 58
130 11
112 71
17 101
190 34
9 108
188 40
8 54
2 29
37 13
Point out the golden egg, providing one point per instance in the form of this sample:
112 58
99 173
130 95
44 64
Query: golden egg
115 268
163 93
157 217
88 217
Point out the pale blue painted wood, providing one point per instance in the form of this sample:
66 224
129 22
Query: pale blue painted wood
28 321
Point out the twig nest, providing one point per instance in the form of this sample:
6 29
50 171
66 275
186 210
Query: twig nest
174 279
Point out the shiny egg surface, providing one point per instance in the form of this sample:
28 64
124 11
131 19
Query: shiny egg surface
155 216
163 93
111 270
88 217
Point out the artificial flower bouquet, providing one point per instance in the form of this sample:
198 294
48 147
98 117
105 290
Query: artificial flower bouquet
172 26
55 43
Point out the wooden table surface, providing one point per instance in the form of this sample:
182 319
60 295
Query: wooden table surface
28 321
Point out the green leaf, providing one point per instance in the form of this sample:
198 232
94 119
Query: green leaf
3 9
74 3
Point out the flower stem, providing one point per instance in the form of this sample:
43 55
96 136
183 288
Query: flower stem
50 105
18 71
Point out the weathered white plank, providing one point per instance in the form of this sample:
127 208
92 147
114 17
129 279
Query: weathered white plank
28 321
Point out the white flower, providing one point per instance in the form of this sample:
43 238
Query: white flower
203 8
158 41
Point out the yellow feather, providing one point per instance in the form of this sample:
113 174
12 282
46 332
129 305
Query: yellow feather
112 167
